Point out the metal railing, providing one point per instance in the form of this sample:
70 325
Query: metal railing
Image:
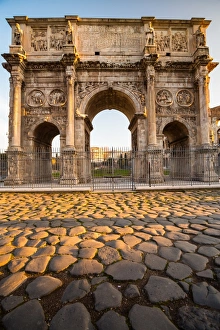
110 169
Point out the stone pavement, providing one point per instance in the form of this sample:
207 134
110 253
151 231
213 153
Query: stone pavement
134 260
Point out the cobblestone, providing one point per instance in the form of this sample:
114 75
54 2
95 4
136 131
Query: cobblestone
69 258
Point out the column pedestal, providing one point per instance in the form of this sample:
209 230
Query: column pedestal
16 168
206 160
69 167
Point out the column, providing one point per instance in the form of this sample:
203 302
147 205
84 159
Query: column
70 127
203 107
16 121
151 111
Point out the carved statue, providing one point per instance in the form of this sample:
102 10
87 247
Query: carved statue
79 114
69 33
18 35
200 38
150 35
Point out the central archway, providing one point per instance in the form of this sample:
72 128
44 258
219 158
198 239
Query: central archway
108 166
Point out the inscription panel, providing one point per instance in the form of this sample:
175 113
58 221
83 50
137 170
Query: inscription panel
105 38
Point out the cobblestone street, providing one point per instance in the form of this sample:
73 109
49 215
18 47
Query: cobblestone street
133 260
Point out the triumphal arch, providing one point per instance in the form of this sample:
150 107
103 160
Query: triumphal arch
64 71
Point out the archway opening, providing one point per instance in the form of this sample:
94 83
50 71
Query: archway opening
46 162
176 161
110 130
176 135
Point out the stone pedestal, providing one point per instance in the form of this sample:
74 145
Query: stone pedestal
16 168
206 158
155 165
150 49
69 167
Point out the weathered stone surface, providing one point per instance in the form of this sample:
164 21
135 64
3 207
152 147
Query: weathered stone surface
84 266
4 259
149 318
77 231
72 250
11 283
177 236
160 289
155 262
107 296
11 302
195 261
205 273
37 265
25 317
76 290
126 270
131 254
20 241
108 255
69 241
162 241
59 263
24 251
45 251
206 295
72 317
148 247
178 270
185 246
193 318
112 320
205 239
42 286
131 291
91 243
208 251
170 253
59 231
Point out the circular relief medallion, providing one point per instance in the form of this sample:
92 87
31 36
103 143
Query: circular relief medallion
164 98
57 98
184 98
35 98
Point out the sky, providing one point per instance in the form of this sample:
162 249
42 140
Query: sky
110 127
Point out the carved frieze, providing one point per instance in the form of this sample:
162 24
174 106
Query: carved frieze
87 87
179 41
135 88
39 40
36 98
184 98
164 98
162 41
57 98
57 37
167 111
108 65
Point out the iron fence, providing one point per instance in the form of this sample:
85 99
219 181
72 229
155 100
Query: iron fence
110 169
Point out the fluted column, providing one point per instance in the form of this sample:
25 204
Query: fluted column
16 122
203 107
151 111
70 128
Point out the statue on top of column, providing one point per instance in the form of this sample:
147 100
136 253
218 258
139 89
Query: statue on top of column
150 35
200 38
18 35
69 33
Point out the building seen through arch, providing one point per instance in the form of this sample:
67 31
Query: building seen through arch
64 71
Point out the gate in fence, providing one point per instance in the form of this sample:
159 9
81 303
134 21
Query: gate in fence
111 169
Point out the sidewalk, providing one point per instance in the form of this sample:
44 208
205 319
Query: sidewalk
138 260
